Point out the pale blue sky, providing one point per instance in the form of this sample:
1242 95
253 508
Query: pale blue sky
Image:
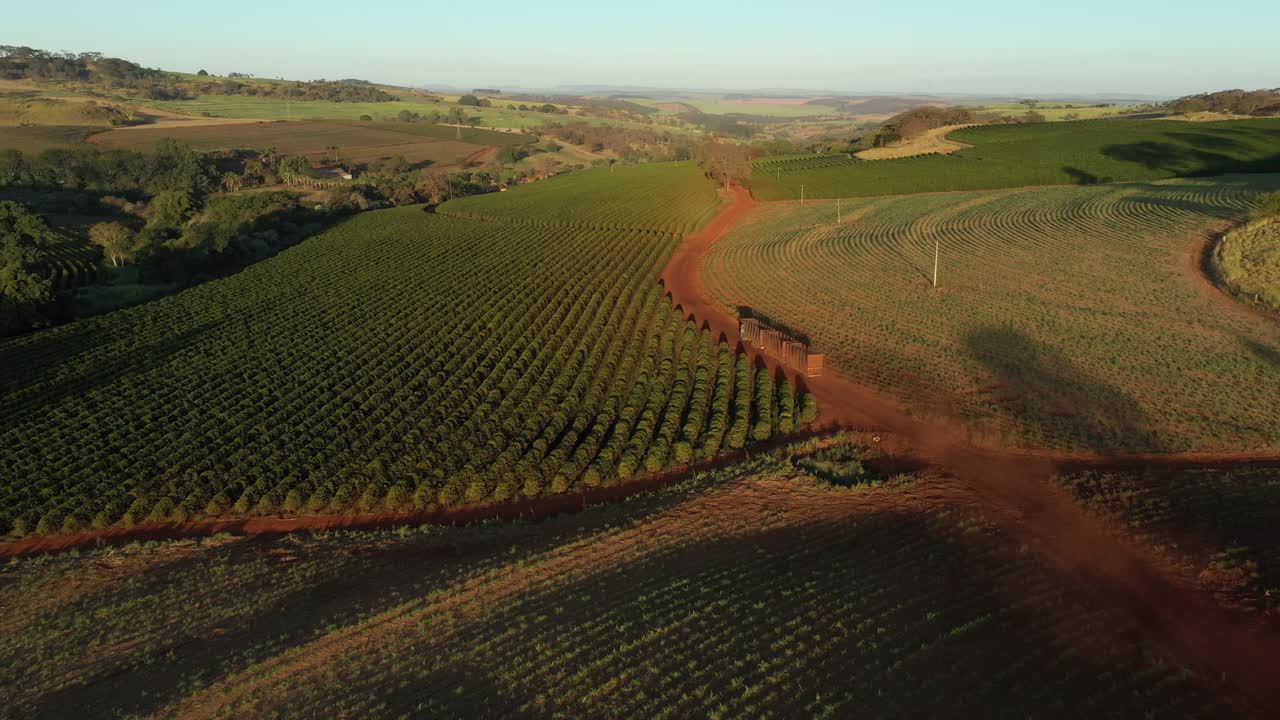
1170 47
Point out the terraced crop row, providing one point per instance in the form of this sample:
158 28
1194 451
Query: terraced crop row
1068 317
401 360
802 163
70 264
755 592
1064 153
659 196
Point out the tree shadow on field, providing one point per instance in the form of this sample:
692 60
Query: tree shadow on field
32 363
1206 141
348 581
1265 353
1055 401
853 614
1170 158
1183 160
1083 177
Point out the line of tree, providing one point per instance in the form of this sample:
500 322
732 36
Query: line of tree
452 116
1236 102
20 62
631 144
326 90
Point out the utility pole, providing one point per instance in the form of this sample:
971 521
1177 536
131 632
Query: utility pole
837 211
801 196
935 262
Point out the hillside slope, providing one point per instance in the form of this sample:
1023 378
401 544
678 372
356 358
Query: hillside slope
1068 153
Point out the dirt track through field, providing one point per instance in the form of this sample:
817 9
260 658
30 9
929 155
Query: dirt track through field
1015 487
1012 486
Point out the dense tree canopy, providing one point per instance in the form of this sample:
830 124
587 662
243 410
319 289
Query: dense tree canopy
22 236
23 62
1239 102
918 121
18 63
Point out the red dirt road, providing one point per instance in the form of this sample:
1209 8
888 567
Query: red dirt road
272 526
481 156
1011 485
1014 487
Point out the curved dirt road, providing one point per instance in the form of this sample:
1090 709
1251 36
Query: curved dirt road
1014 487
1011 485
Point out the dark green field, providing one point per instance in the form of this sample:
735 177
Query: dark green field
670 197
403 360
1067 153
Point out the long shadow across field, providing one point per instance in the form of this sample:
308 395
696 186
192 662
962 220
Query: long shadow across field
347 585
1053 397
926 623
80 341
1265 353
1185 161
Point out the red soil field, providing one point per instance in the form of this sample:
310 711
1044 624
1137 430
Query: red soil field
1010 486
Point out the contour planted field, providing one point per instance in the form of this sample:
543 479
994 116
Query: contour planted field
69 263
665 196
753 592
400 361
1068 153
1072 318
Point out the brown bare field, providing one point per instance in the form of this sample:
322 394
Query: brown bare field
163 119
781 100
361 143
933 141
756 591
7 85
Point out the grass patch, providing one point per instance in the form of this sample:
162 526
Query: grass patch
1247 261
38 138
